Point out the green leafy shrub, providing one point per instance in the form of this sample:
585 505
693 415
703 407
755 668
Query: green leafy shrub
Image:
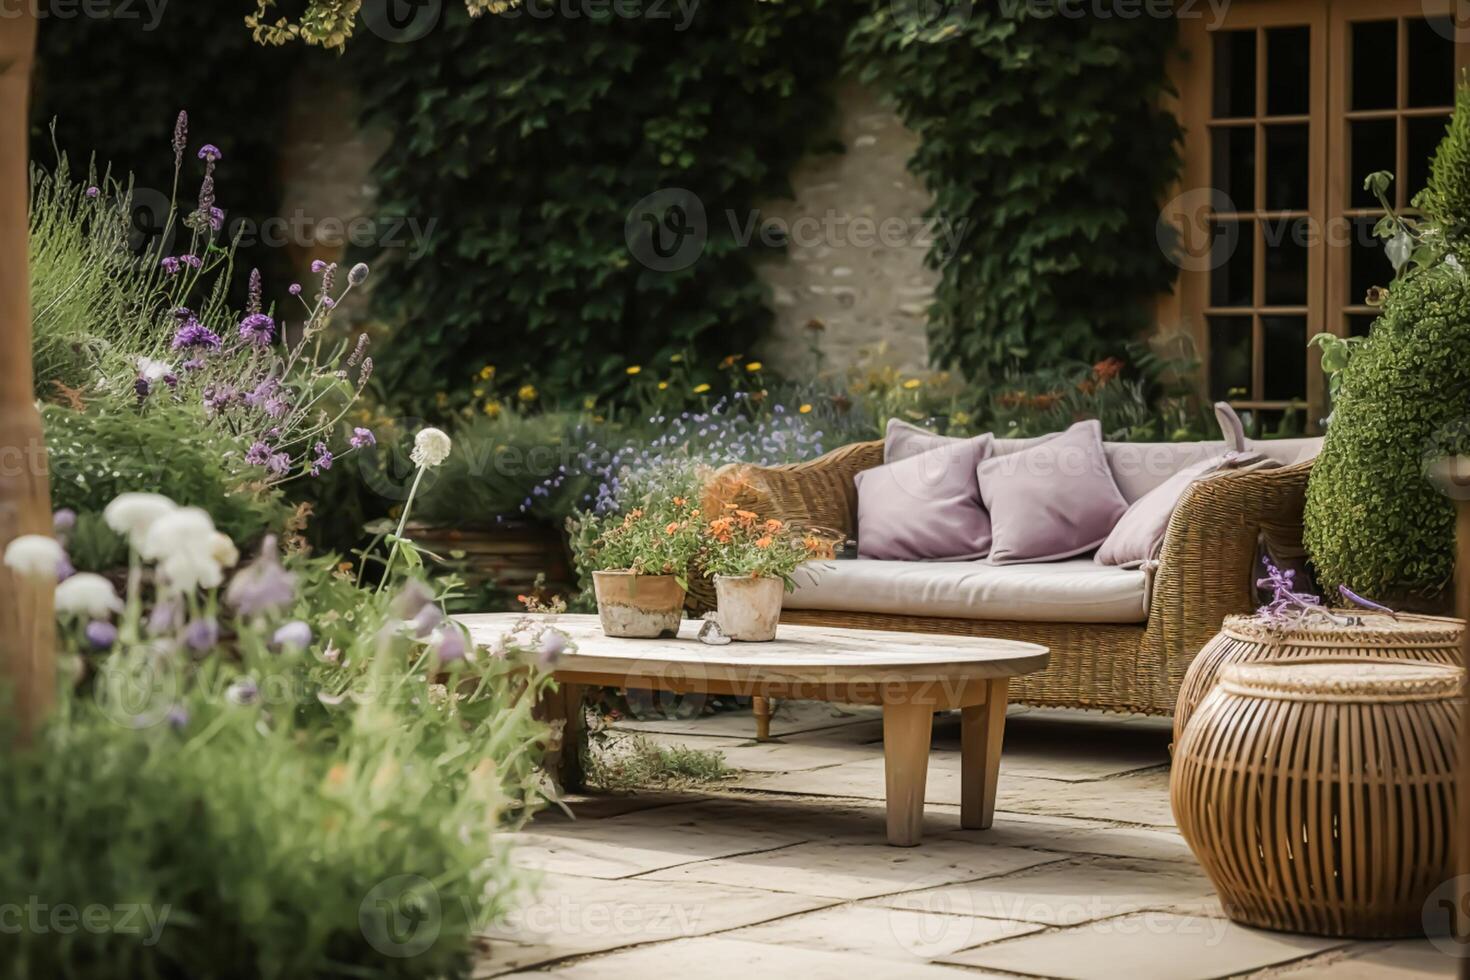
1374 522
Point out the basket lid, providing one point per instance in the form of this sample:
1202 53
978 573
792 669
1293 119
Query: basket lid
1343 680
1365 628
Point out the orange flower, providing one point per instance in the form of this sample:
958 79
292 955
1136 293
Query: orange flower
694 513
763 542
1105 371
636 513
671 527
747 518
774 525
680 501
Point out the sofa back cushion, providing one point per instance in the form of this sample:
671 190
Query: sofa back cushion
1052 500
926 506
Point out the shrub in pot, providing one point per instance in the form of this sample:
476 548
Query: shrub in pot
640 567
752 562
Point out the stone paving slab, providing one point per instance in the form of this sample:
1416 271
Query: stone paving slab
888 933
1144 946
1059 833
1399 960
571 916
1070 892
849 870
732 959
796 753
792 717
1148 791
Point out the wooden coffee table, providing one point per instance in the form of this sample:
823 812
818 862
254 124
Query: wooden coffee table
911 675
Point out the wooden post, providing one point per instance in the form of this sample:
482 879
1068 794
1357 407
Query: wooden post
27 628
1461 466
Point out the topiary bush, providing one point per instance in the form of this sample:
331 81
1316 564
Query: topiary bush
1374 521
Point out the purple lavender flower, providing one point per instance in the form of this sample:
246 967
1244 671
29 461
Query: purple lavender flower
322 460
358 351
170 264
244 691
216 218
1286 603
277 405
329 303
195 363
252 303
318 266
258 453
163 616
141 388
258 329
195 334
426 621
201 635
279 464
210 153
294 289
192 261
206 200
177 717
101 634
92 192
293 634
171 379
65 569
262 586
449 644
362 438
63 520
553 645
410 600
181 137
217 399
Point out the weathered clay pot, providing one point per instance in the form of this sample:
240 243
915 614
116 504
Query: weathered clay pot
630 604
749 606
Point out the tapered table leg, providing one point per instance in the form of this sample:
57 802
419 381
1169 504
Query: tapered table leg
761 708
564 761
982 728
906 732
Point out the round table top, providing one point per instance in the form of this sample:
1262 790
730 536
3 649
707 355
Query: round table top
825 651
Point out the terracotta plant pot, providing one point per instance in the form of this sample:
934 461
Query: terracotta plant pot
630 604
749 606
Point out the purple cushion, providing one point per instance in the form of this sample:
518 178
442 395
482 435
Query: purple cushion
1053 500
925 507
1139 533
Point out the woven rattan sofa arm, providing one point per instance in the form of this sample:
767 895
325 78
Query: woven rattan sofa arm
817 494
1209 560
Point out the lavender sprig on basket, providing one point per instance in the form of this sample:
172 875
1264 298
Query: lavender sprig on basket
1288 606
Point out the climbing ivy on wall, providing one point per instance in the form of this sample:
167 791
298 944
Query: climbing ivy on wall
528 138
114 84
1044 143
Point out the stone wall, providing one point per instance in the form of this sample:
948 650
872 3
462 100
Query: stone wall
857 242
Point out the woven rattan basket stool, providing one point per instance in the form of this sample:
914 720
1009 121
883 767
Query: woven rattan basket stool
1372 636
1319 797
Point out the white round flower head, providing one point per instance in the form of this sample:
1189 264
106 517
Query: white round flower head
132 514
86 594
430 447
34 556
224 550
153 371
182 542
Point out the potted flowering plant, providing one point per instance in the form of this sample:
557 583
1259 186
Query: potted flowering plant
640 567
752 562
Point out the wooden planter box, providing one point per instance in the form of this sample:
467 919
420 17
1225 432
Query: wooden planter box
510 555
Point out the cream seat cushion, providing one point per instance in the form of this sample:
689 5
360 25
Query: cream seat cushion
1074 591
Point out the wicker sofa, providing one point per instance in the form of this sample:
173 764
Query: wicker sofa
1205 572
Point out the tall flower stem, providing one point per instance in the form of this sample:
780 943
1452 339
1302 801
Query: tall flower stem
402 522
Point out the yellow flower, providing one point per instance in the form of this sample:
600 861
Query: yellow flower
479 392
441 398
912 383
492 408
487 372
753 366
804 409
676 358
590 402
634 369
700 389
662 385
527 393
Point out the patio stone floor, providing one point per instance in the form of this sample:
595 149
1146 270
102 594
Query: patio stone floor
782 871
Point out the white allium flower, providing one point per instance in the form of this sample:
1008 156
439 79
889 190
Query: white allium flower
86 594
153 371
430 447
182 542
132 514
34 556
223 550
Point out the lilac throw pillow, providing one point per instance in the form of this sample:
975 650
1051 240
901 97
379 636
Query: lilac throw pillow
1053 500
925 507
1139 534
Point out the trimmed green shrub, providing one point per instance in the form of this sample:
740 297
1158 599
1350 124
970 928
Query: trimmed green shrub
1374 521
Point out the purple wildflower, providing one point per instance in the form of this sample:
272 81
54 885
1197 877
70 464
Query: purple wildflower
218 399
258 329
410 600
92 192
277 405
162 618
358 274
252 302
195 334
65 569
426 621
358 351
101 634
206 199
1286 603
322 460
192 261
210 152
329 275
171 379
201 635
263 585
258 453
449 644
362 438
243 691
181 137
63 520
1353 597
177 717
194 364
279 464
256 396
170 264
294 289
318 266
141 388
293 634
216 218
553 645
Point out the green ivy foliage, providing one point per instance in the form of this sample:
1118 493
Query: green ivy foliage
114 85
527 138
1374 521
1045 143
